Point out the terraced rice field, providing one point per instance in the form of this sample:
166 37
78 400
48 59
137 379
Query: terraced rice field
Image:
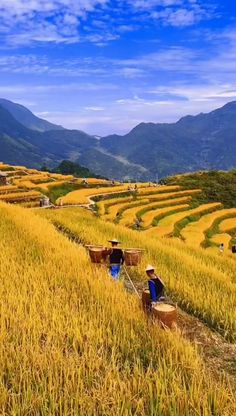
221 238
105 205
156 214
83 196
129 215
227 224
95 181
195 233
20 196
8 189
114 210
149 190
167 224
161 193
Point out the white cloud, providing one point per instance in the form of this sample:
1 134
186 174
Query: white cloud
23 22
94 108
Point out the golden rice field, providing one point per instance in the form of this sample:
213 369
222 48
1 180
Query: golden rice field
195 233
33 177
131 210
7 189
221 238
105 204
228 224
83 196
120 204
49 185
95 181
19 196
74 343
166 225
4 166
155 214
129 214
117 209
221 263
205 290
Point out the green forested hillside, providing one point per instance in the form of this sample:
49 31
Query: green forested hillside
216 186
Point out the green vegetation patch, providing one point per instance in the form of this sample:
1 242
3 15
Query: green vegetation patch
61 190
217 186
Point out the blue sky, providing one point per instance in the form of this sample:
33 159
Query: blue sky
103 66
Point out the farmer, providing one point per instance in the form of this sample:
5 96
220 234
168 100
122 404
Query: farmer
138 223
221 248
116 259
156 285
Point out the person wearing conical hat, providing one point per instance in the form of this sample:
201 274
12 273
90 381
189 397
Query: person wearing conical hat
155 284
116 259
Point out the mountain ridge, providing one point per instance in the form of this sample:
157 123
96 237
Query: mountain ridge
149 150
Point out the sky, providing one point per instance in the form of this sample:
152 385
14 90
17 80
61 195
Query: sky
104 66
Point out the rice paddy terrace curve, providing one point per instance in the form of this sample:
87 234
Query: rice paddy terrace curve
166 225
195 233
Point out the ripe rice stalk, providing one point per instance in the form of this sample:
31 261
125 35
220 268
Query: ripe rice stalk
74 343
228 224
195 233
202 288
167 224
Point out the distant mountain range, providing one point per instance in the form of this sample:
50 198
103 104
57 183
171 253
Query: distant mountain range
205 141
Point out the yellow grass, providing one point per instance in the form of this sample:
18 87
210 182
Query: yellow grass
167 224
194 233
149 216
227 224
201 288
74 343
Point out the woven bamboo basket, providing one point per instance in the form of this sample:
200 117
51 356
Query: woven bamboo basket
133 256
165 314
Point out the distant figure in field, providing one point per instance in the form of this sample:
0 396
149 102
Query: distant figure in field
137 224
155 284
116 259
221 248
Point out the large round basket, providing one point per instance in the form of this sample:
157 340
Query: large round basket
96 254
132 257
146 300
165 314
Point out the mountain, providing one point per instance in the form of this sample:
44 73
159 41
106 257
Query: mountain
20 145
202 142
26 117
205 141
